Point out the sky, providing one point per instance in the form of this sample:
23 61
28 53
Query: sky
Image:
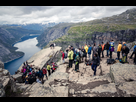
45 14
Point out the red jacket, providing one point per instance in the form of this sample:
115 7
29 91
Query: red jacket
63 55
44 71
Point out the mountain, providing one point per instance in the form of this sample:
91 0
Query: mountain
35 26
8 36
80 33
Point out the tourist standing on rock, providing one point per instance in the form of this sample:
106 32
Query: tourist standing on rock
107 46
96 62
44 73
99 50
80 55
84 53
70 56
103 45
94 50
119 50
77 61
125 51
133 51
40 75
135 54
63 56
111 48
48 69
86 49
89 51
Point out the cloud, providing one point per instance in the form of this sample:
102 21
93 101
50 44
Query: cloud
40 14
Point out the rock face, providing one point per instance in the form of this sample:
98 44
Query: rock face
7 83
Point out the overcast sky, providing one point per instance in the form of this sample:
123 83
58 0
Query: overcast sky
42 14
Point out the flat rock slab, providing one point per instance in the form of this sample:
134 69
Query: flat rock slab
40 58
121 73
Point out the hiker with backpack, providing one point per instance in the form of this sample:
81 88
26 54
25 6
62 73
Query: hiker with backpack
84 53
63 56
89 51
95 63
107 48
80 55
119 50
40 75
70 56
135 54
77 61
125 51
111 48
44 70
133 51
99 50
95 49
103 45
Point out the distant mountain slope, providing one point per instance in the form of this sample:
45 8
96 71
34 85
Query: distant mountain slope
82 32
8 36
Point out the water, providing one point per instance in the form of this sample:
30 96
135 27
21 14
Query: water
28 46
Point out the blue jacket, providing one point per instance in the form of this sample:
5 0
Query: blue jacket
134 47
89 50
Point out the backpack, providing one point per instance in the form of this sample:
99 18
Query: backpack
123 60
65 55
81 53
112 48
110 61
40 74
77 57
135 50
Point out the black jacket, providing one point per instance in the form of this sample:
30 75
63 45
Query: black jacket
107 46
96 60
126 51
99 49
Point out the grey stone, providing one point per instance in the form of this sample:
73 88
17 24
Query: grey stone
121 73
72 91
5 72
2 92
18 77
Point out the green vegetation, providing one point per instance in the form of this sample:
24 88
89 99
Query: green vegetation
80 32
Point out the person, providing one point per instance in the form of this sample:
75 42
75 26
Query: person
51 45
111 48
70 56
86 49
44 72
124 44
133 51
26 80
94 49
54 45
40 75
99 50
119 50
96 62
103 45
125 51
84 53
48 69
89 51
63 55
107 48
80 55
33 75
30 80
135 54
77 61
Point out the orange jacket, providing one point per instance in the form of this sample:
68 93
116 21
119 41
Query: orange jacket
103 47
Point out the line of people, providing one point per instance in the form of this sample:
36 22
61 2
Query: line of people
78 55
31 74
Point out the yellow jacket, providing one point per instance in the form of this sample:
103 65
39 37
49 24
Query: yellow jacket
48 67
86 48
70 55
119 48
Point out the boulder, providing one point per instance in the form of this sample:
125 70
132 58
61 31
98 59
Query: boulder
121 73
5 72
2 91
18 77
